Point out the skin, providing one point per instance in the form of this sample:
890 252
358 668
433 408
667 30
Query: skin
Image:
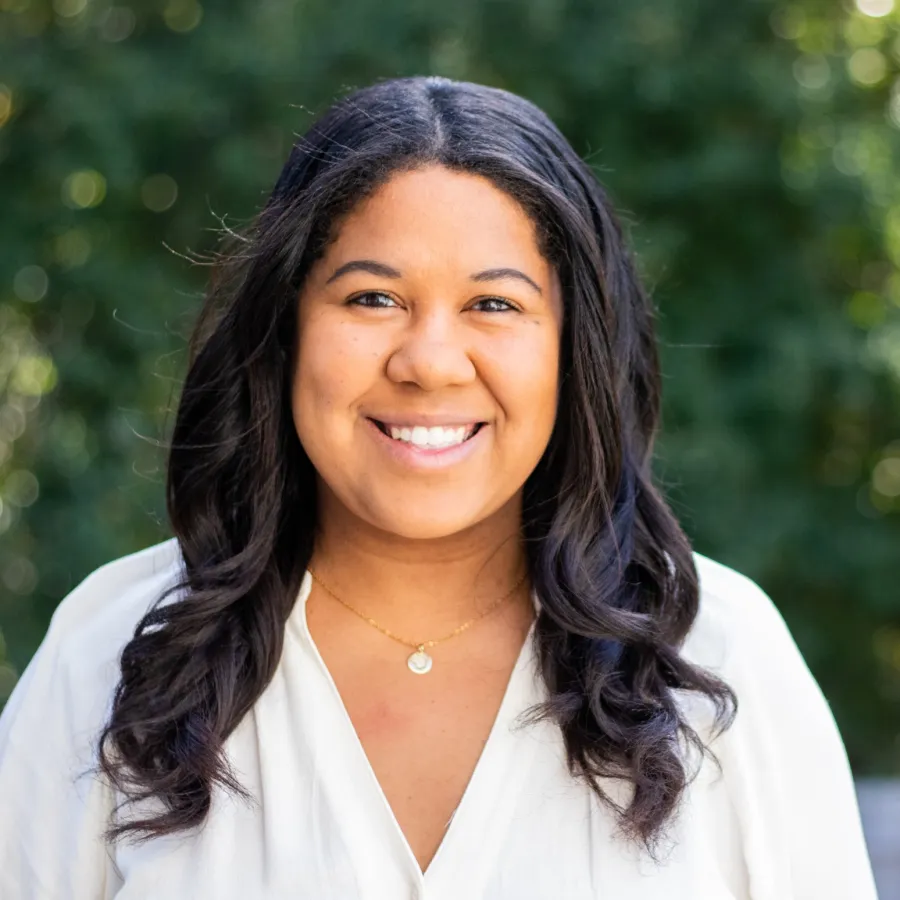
423 550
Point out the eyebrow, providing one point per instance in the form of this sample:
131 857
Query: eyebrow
498 274
364 265
373 267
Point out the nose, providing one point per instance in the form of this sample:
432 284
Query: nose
432 353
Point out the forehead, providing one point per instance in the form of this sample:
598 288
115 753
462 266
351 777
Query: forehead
436 217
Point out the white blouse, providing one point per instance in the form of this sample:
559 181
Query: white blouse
781 824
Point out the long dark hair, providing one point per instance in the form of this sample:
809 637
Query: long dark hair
610 564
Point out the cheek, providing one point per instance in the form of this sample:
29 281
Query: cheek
539 394
526 377
333 370
546 372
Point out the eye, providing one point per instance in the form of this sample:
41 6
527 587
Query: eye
372 300
496 304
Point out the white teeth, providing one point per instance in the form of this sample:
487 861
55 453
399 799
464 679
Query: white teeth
431 438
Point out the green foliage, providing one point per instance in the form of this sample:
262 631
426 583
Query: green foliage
751 146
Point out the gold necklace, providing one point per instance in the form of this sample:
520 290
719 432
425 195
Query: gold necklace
419 661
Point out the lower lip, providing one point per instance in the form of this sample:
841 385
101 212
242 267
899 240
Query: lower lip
408 454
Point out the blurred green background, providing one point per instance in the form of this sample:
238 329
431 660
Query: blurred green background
751 146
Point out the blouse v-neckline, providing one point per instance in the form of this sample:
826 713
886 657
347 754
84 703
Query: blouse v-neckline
346 773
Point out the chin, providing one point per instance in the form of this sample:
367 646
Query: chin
428 525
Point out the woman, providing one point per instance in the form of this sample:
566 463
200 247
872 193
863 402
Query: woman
426 628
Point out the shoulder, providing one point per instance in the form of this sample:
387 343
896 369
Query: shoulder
74 672
111 590
735 618
53 814
786 776
104 608
740 635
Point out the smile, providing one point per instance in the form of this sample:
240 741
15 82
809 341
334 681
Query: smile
418 447
438 437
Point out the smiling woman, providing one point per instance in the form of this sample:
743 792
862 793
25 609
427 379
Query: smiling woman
453 360
419 416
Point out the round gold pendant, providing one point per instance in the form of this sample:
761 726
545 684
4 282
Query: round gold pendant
419 662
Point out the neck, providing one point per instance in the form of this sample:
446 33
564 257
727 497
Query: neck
421 586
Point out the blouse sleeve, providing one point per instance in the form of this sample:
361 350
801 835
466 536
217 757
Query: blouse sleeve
54 807
786 766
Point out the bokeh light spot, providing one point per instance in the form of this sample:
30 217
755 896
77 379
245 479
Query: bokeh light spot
69 8
886 477
866 309
12 422
31 284
789 22
875 8
183 15
6 104
159 192
863 31
894 106
117 24
84 189
867 66
21 488
72 248
34 375
20 575
883 345
892 287
6 516
812 72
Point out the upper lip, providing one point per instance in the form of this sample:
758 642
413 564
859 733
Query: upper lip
426 420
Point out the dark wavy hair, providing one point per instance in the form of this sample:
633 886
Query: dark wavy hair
609 562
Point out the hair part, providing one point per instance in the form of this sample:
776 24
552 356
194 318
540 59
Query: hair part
612 567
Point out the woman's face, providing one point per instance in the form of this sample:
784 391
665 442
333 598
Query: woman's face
425 386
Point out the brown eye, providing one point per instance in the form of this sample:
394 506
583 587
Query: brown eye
498 305
372 300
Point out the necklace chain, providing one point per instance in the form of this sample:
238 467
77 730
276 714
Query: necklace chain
420 645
